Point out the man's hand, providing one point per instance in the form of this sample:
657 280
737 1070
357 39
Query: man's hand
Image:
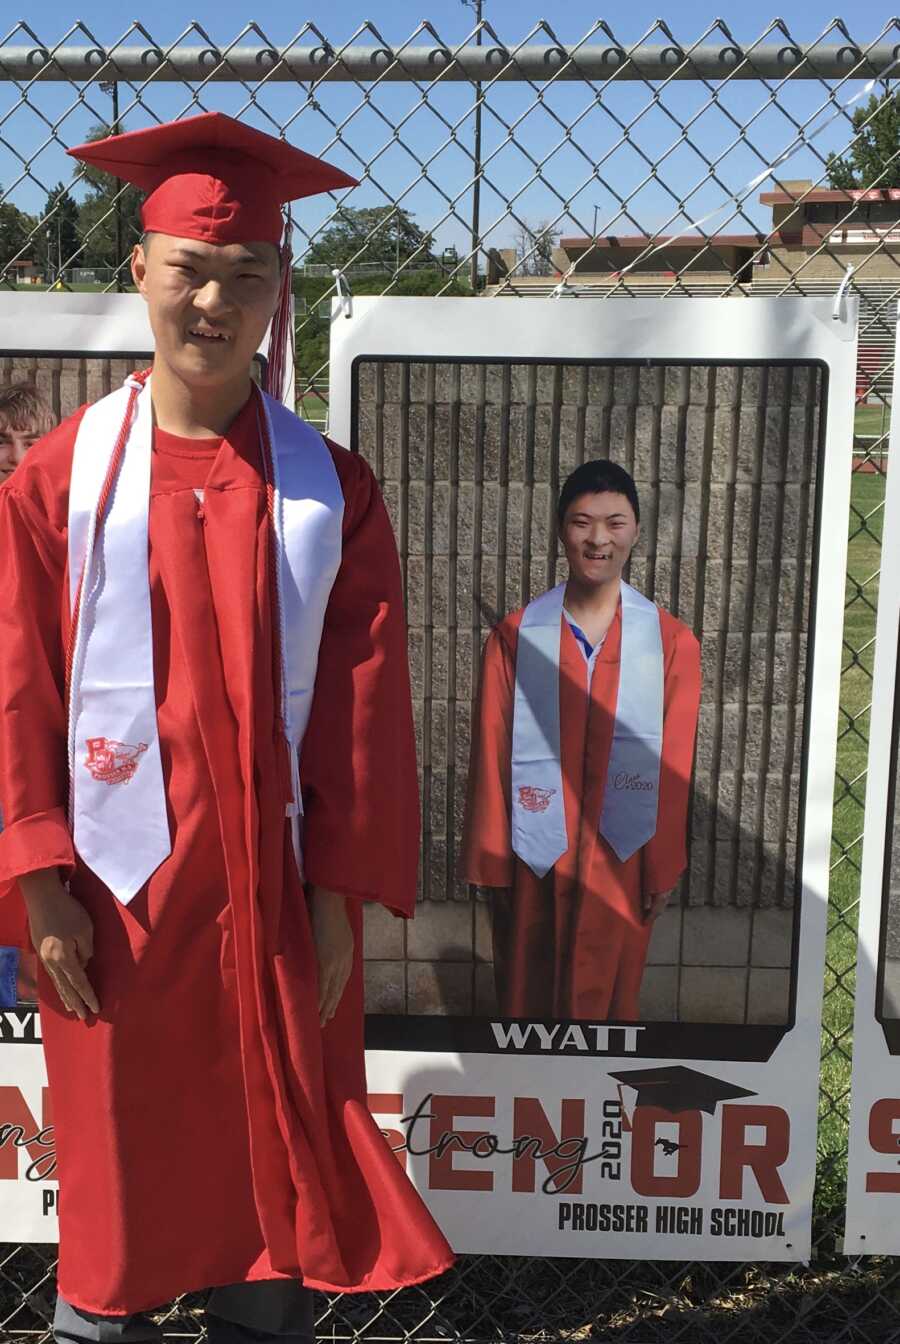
63 937
333 938
653 906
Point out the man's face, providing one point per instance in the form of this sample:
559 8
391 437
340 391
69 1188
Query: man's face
598 534
209 306
14 443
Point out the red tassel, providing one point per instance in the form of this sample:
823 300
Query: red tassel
281 335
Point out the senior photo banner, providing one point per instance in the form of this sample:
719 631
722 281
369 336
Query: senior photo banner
873 1176
65 349
600 1034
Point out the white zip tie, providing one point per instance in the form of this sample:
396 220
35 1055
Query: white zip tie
837 311
344 293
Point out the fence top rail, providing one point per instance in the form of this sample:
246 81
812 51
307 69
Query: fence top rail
491 61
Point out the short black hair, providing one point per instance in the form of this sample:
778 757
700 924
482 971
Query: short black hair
597 478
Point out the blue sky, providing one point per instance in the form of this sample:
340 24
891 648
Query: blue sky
396 19
55 116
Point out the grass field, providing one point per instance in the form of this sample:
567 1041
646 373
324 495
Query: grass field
313 406
872 420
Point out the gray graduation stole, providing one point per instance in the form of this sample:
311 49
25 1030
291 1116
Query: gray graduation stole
631 797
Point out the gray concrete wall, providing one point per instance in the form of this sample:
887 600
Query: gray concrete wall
66 383
470 458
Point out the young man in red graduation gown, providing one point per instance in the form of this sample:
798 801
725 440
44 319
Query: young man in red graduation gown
579 779
199 591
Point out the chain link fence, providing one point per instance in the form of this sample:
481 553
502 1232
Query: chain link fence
531 168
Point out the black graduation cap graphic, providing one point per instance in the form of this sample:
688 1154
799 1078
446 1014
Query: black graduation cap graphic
676 1088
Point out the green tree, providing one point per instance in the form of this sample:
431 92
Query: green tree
15 231
426 283
110 214
102 227
873 159
384 234
58 240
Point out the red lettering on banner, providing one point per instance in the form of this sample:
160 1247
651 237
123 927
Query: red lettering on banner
390 1103
686 1179
445 1140
534 1138
884 1138
19 1129
763 1159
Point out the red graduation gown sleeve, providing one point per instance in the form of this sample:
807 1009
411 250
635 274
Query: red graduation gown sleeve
486 857
358 762
33 770
664 857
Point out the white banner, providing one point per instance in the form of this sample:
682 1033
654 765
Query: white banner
686 1129
873 1176
554 1155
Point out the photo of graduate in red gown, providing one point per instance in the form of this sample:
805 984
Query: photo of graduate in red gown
580 772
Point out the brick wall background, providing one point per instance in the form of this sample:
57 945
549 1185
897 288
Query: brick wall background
471 457
66 383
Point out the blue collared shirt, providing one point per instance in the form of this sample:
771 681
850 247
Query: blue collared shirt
9 972
589 650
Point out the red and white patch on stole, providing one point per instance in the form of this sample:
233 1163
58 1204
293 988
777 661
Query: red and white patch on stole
112 762
534 799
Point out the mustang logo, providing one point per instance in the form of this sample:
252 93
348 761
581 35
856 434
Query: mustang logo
668 1146
112 762
535 800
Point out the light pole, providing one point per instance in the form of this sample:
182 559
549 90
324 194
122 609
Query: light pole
476 182
593 245
111 87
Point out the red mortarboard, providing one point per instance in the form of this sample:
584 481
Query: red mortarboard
212 178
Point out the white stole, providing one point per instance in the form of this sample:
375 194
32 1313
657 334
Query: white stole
630 801
117 804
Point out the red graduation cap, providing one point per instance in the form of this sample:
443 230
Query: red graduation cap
212 178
